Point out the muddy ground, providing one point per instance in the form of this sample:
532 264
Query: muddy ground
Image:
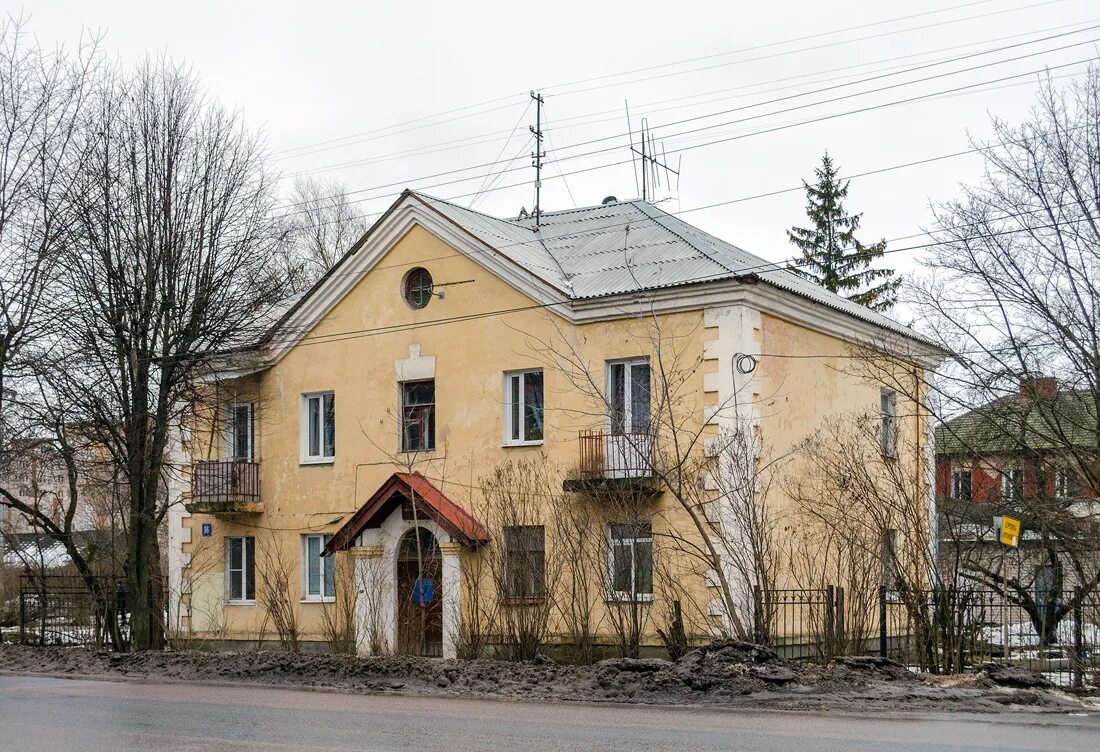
728 673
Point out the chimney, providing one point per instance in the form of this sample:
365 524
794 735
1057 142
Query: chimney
1042 387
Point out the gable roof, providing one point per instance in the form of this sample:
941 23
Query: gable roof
575 257
1012 424
431 502
633 246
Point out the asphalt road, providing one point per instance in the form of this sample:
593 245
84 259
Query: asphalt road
45 714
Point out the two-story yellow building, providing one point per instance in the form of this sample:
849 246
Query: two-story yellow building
399 457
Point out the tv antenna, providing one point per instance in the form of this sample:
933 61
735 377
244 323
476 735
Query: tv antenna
652 166
538 154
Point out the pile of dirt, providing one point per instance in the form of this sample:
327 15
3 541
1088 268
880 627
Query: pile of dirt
726 672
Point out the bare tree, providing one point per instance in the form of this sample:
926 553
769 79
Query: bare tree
275 571
338 617
171 231
1011 291
583 559
43 98
322 225
524 561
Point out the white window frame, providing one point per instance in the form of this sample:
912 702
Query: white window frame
956 478
229 573
628 397
888 424
328 563
1009 485
321 458
511 400
623 596
231 430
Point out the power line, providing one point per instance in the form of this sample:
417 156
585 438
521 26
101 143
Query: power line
337 142
773 129
789 97
816 47
472 140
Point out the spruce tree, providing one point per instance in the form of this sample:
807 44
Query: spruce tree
831 255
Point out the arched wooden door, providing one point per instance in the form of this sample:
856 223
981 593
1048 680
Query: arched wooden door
419 594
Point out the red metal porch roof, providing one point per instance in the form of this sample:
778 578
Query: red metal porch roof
432 502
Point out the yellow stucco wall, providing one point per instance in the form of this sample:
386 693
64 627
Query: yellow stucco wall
353 352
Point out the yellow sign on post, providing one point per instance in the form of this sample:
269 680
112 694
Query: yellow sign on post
1010 531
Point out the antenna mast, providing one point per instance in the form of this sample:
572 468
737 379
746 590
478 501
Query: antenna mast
651 165
538 154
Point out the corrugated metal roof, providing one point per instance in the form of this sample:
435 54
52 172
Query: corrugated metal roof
632 246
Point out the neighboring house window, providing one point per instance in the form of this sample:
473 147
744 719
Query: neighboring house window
418 416
1012 484
523 407
319 427
240 431
889 559
524 562
888 428
628 396
240 567
961 485
318 572
1065 484
630 561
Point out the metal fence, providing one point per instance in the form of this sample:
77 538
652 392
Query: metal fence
946 631
64 610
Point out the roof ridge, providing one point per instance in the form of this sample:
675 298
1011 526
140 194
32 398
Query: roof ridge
436 199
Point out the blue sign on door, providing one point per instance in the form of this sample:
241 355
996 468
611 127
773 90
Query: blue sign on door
423 591
207 529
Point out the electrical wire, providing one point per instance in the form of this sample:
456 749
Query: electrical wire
719 113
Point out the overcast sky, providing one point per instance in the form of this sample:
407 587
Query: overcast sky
383 95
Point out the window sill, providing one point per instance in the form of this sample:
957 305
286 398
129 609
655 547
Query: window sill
316 461
425 452
316 599
628 598
522 601
240 603
511 444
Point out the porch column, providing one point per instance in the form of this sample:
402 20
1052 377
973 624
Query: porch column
452 597
373 594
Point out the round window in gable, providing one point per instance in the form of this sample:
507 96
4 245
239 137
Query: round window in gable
417 287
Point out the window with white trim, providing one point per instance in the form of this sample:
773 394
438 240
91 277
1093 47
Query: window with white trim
1012 484
888 420
240 570
962 485
318 427
239 431
630 561
628 396
523 407
318 572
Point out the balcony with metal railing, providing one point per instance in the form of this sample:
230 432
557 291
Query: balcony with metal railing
614 461
230 486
